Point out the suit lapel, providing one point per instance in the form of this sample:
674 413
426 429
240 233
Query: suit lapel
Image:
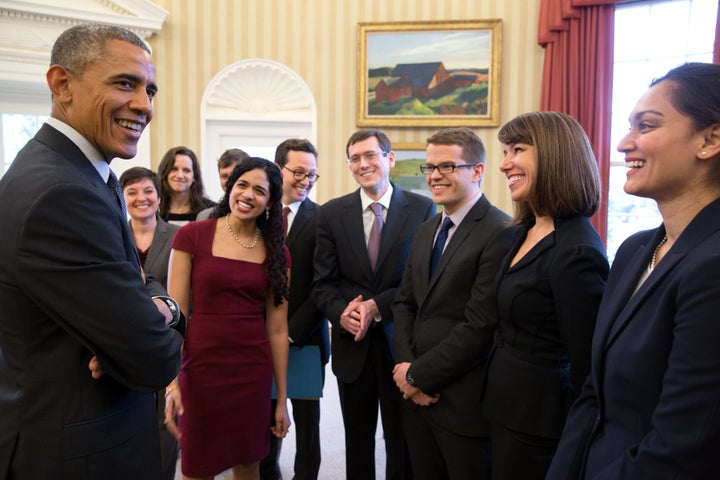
63 145
303 215
158 240
394 224
352 221
468 224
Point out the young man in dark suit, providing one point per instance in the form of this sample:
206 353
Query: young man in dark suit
72 295
444 320
307 326
363 240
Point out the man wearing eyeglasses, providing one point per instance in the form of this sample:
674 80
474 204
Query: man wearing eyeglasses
307 326
444 314
363 240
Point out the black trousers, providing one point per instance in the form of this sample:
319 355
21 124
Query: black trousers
359 403
439 454
520 455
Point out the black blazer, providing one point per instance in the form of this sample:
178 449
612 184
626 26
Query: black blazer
547 305
442 324
158 258
70 288
650 406
342 267
306 323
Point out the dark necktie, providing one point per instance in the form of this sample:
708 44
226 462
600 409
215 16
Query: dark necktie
440 244
285 213
375 234
114 186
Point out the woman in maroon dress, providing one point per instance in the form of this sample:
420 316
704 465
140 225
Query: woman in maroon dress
235 267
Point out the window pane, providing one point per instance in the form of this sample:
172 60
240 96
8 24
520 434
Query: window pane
17 129
651 37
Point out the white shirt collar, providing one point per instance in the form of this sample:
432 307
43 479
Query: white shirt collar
95 157
365 200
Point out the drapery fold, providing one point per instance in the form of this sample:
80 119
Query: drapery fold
578 36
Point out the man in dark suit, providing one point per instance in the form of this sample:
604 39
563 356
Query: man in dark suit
71 290
307 326
380 220
444 320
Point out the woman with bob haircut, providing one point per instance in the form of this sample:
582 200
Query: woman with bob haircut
547 291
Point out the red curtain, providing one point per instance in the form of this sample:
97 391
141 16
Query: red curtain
578 36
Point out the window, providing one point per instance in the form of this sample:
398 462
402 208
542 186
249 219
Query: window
651 37
17 129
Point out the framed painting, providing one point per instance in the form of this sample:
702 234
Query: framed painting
406 172
429 73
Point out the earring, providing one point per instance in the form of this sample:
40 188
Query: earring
267 214
703 153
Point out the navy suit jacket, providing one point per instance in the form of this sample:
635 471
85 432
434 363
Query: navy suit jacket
443 325
70 288
307 325
651 405
342 267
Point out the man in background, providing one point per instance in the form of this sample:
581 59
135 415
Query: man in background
72 295
443 313
363 240
225 164
307 326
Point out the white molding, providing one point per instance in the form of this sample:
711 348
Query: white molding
253 103
28 29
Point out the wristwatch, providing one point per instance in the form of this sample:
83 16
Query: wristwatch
409 379
173 306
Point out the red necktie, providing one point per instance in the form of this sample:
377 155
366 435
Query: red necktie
285 213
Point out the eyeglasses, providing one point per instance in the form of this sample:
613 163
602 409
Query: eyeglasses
444 168
299 175
368 156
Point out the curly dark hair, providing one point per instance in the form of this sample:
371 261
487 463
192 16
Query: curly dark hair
198 199
270 225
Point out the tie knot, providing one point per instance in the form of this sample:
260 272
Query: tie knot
286 211
376 209
446 225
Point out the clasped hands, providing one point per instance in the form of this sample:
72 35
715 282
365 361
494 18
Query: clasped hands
409 391
358 316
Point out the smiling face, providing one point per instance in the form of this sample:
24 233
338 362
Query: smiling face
297 190
371 174
662 147
181 175
250 195
452 190
142 199
110 104
520 168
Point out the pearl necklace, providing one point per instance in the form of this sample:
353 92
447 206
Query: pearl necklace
654 255
255 237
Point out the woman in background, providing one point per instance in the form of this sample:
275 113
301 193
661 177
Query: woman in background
153 237
547 292
651 406
182 190
236 268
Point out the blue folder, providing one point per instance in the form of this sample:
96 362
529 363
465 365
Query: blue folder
304 376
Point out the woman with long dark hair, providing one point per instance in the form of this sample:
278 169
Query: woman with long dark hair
181 187
235 266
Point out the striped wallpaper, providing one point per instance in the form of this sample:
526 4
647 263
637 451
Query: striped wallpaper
318 40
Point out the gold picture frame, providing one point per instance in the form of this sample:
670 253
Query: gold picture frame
442 73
